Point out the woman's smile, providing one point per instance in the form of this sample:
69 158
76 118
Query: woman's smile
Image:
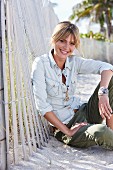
64 48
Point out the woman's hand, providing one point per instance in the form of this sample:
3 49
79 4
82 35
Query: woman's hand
75 128
51 117
104 107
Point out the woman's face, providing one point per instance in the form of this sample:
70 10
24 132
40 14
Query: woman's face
64 48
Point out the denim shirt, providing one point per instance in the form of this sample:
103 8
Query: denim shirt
49 90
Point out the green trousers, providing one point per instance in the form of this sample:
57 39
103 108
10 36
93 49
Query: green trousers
95 133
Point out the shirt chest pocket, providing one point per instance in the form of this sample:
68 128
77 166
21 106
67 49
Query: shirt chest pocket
52 87
73 85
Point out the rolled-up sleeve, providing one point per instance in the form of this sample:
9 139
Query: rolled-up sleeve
39 87
90 66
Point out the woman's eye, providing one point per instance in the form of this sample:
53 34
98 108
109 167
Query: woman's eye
61 40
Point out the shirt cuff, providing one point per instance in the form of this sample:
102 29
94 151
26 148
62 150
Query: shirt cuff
45 110
106 68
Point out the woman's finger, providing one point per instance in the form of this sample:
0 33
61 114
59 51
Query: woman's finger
107 111
101 110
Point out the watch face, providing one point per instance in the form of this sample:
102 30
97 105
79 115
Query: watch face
102 91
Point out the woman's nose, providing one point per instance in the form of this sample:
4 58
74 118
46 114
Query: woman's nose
66 45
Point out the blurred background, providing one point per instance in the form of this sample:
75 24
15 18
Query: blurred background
95 21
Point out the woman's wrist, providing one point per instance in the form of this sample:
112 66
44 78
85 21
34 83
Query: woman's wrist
68 132
103 91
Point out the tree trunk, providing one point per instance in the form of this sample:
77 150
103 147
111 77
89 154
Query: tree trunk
108 22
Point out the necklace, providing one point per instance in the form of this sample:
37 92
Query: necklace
64 81
67 95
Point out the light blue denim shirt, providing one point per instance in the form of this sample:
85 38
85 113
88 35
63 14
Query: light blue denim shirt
49 90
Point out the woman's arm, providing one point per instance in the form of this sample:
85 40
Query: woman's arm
104 106
105 78
51 117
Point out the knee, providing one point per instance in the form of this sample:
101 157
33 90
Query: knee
97 131
104 136
100 130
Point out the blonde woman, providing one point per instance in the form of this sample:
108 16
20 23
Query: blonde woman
54 78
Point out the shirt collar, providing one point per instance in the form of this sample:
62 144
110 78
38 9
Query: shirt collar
67 64
53 63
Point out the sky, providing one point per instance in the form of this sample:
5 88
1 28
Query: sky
64 9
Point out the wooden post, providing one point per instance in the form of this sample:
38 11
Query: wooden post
2 111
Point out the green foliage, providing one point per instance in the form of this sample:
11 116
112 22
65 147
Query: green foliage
96 36
98 11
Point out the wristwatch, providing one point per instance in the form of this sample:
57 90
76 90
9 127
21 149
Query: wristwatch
103 91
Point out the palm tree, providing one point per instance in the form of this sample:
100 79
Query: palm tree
100 10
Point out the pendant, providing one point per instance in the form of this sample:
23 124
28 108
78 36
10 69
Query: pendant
67 96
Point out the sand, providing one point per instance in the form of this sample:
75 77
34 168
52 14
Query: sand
58 156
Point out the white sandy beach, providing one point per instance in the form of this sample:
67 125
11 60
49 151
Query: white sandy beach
57 156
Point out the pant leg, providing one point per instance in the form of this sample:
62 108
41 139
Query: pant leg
89 135
94 133
79 116
92 111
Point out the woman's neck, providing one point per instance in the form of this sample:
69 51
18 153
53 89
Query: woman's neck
60 62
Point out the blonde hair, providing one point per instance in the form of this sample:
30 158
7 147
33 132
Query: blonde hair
63 30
